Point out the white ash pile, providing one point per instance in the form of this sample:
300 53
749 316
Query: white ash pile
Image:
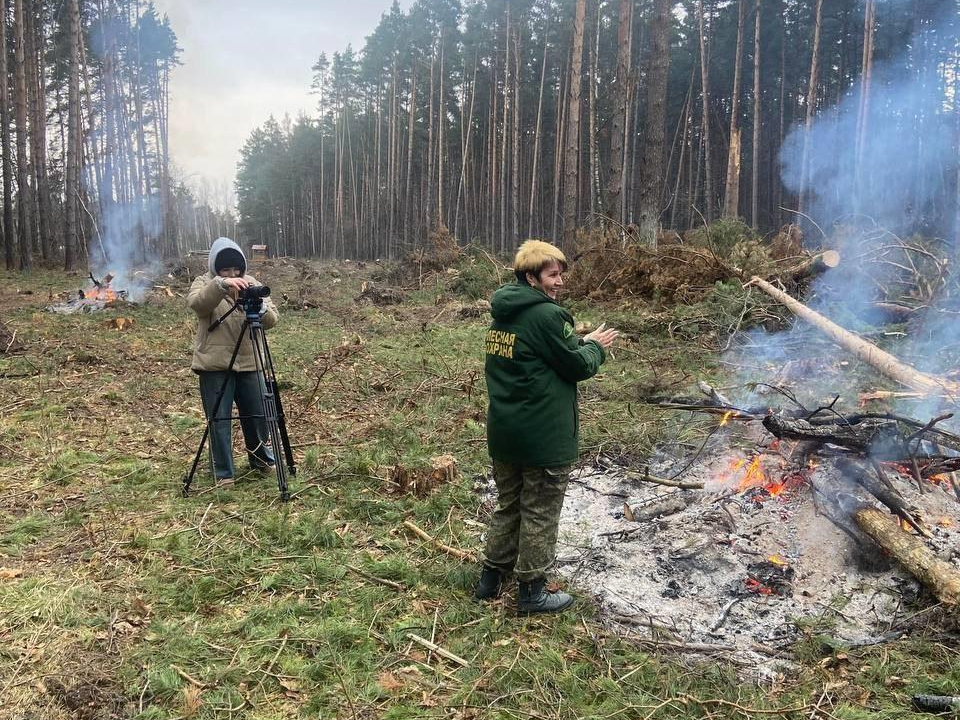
100 295
738 566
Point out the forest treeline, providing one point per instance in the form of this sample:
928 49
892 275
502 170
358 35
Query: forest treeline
84 107
502 119
498 119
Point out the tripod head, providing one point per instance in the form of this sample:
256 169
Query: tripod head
251 300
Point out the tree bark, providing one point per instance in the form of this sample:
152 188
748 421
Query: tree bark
571 174
757 92
882 361
36 92
23 160
705 118
536 141
618 127
732 189
651 156
811 106
5 149
73 149
863 113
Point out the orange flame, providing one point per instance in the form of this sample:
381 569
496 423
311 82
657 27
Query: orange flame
726 418
777 560
104 292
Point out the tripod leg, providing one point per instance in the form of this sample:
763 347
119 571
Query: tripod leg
282 426
272 386
188 478
264 364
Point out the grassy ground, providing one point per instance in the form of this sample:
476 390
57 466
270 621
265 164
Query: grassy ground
119 598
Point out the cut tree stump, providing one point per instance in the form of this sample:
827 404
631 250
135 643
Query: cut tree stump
815 265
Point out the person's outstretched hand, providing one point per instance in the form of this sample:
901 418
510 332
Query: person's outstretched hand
603 335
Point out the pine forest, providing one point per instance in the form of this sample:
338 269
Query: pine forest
497 120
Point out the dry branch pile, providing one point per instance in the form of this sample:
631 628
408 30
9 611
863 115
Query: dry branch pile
684 269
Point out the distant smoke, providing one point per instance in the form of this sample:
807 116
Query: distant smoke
909 154
907 169
118 246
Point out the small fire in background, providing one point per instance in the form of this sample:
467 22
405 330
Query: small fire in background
102 290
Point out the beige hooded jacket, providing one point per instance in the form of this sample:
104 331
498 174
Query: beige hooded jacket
212 350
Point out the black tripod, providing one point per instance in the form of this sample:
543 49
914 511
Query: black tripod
271 408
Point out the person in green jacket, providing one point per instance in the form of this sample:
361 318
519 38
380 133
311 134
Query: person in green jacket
534 361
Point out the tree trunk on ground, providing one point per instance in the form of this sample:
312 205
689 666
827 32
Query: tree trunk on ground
705 106
571 174
651 156
882 361
732 189
940 577
23 161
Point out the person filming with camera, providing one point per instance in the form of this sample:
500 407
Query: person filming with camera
212 297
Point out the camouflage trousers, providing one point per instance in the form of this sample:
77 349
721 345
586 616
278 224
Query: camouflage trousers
522 536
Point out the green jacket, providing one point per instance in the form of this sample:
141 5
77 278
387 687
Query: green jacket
534 362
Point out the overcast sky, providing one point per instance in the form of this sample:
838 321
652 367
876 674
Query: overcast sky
244 60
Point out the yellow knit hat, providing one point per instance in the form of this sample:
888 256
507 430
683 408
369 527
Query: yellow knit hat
534 254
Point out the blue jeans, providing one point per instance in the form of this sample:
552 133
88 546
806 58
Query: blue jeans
246 390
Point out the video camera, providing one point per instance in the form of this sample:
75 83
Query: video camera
251 298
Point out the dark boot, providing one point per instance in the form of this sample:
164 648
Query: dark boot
533 597
490 584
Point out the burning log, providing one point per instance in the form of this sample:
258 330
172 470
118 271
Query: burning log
939 576
885 495
883 361
859 436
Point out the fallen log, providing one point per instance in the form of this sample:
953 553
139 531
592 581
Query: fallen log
883 361
863 436
942 578
885 495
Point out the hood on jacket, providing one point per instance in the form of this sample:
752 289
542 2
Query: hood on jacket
221 244
511 299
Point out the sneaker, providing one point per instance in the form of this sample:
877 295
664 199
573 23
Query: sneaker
264 469
225 482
